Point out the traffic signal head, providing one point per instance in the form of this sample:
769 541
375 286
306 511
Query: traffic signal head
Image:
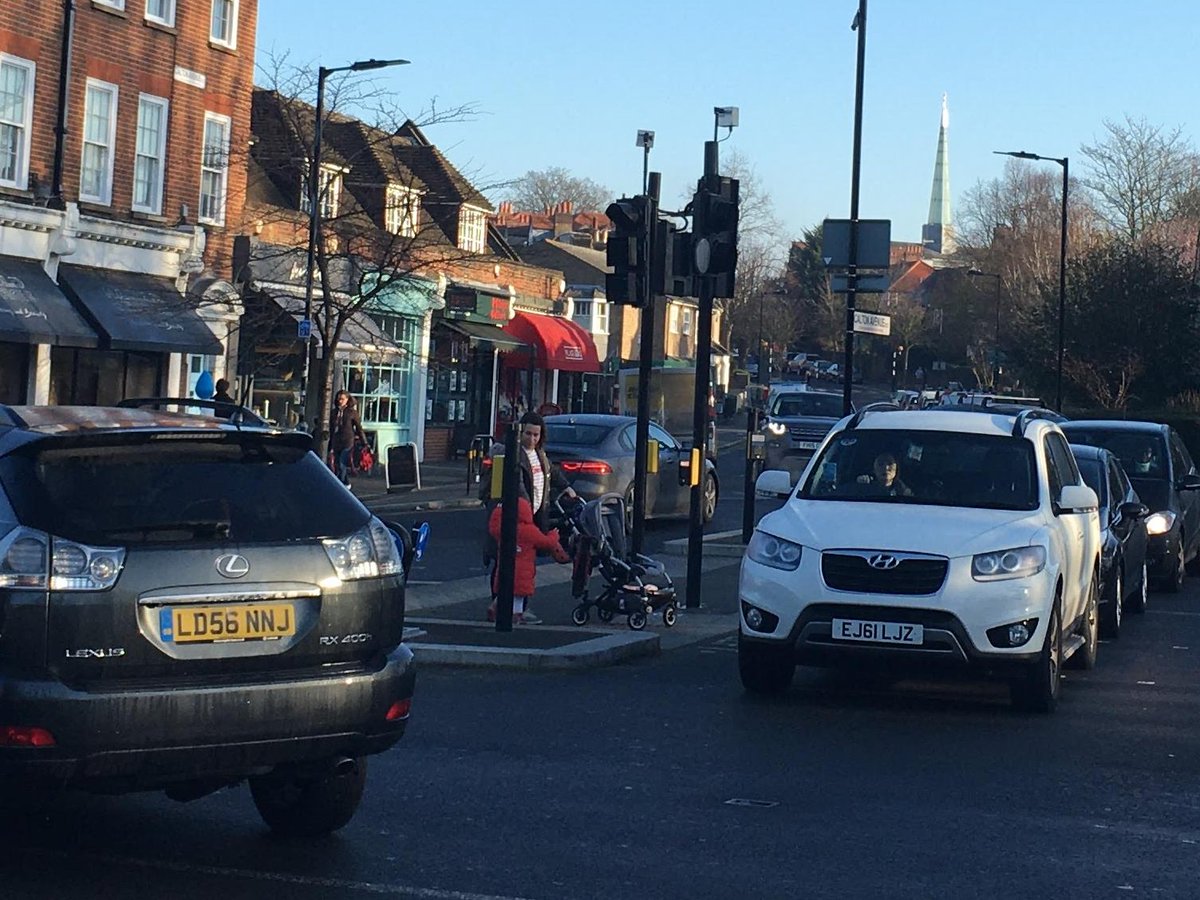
628 245
715 226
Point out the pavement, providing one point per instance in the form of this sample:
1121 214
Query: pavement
446 620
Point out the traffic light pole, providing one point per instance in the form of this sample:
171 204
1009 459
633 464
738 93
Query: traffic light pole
700 410
645 370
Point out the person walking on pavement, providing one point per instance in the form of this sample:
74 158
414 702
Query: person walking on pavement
530 539
344 429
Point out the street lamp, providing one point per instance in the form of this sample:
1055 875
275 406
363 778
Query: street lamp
976 273
314 206
1062 259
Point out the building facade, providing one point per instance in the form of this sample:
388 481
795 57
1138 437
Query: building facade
119 175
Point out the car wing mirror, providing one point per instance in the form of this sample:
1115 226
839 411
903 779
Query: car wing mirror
1189 482
1077 498
1134 510
773 483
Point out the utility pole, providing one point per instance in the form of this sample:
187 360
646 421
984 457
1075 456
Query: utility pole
859 25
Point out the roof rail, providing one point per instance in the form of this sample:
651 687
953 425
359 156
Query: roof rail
236 414
1024 417
10 418
881 406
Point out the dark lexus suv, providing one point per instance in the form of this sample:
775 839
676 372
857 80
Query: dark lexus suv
186 603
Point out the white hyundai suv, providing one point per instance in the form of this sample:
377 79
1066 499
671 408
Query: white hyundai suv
917 539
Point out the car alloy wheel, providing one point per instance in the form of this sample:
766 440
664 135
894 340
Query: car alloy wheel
1039 690
709 509
1085 657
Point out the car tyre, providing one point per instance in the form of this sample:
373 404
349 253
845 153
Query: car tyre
1110 618
1039 690
296 806
1173 583
765 669
708 508
1137 603
1085 657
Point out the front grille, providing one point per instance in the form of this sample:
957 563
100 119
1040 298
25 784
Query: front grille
852 572
804 433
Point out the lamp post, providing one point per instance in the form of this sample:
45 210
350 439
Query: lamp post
314 205
976 273
1062 260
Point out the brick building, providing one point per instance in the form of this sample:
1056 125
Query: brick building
119 177
445 350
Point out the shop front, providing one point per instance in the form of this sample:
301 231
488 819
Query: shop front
548 376
37 321
466 348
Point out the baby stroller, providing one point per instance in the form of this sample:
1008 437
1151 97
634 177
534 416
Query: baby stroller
633 587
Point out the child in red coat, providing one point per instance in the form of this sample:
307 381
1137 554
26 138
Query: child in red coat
530 539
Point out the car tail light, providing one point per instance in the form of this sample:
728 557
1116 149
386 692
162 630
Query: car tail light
25 736
26 561
399 710
367 553
585 467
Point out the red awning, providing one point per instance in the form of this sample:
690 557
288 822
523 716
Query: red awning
557 344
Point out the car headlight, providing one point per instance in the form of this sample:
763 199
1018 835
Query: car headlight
1160 522
777 428
772 551
1019 562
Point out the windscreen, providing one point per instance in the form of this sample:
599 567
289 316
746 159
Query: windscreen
183 490
1094 476
926 467
1142 454
576 434
826 405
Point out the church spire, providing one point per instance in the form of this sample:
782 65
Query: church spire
938 233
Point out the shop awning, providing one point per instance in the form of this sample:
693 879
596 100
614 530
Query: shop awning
557 344
34 311
479 333
133 311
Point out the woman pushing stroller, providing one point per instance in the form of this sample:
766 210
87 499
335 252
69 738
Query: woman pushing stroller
540 481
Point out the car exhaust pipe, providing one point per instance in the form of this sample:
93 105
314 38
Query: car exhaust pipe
344 765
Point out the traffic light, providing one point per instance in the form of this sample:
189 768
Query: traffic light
628 250
670 263
715 225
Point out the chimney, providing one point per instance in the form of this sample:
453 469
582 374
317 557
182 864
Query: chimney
563 220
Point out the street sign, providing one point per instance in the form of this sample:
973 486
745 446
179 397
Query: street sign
872 323
304 329
866 284
874 243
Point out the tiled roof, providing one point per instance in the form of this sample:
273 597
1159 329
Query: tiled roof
581 266
432 167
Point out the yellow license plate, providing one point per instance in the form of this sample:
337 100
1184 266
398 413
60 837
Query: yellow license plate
244 622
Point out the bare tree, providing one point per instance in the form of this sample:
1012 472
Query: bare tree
544 189
1140 173
382 229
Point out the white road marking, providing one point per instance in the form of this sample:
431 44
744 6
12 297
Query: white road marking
369 887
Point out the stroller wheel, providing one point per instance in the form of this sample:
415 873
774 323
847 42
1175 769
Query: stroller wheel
580 614
637 620
669 614
605 615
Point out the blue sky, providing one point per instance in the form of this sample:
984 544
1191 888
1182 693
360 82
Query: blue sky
562 84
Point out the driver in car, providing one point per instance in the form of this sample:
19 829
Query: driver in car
884 479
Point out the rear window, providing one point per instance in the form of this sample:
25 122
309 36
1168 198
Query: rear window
178 491
808 405
582 435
